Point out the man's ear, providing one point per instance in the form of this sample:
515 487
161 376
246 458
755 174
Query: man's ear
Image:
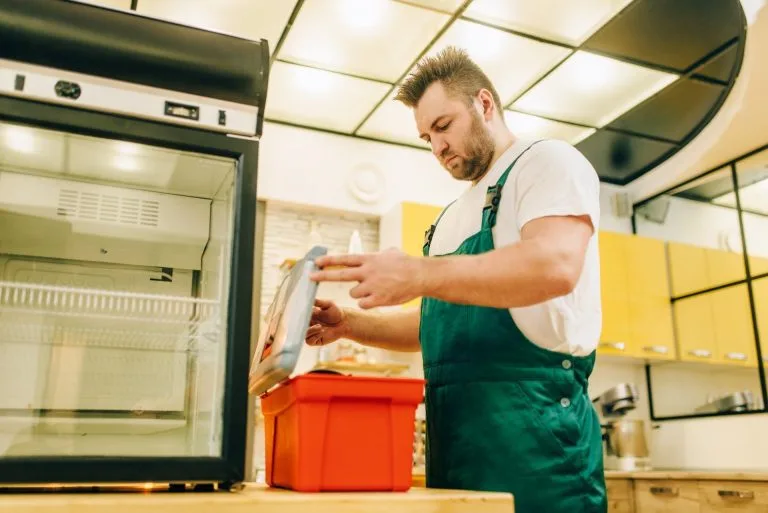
487 104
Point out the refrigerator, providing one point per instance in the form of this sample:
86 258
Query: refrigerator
128 170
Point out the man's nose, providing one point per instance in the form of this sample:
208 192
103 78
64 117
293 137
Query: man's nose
438 146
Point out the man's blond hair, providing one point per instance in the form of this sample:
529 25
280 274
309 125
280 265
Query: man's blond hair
461 77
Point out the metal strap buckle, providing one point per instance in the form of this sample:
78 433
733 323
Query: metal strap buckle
493 198
428 235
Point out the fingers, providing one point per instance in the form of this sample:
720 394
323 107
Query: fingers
323 304
349 274
369 302
359 291
341 260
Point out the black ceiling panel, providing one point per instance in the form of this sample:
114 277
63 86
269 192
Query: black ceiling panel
669 33
619 158
674 112
720 67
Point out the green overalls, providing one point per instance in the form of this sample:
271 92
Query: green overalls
504 414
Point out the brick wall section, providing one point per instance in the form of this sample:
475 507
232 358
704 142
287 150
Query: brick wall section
287 235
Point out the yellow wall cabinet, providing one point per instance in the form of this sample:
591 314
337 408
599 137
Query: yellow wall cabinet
637 316
695 268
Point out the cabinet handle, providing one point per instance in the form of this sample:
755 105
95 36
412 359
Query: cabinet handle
736 356
664 490
656 349
735 494
700 353
619 346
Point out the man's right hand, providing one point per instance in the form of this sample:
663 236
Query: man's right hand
328 323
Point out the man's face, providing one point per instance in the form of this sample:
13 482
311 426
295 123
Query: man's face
456 131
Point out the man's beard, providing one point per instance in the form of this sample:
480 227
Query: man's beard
480 147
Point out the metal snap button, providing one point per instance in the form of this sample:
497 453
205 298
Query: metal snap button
566 364
565 402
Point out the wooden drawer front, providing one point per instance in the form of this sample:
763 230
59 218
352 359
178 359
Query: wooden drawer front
620 496
741 496
618 488
672 496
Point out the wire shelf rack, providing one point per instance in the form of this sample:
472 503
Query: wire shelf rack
56 315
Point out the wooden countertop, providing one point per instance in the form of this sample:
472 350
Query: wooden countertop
257 497
703 475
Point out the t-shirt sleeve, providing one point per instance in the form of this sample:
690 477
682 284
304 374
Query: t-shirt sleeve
557 180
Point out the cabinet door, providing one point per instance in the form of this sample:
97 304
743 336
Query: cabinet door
673 496
695 328
652 332
650 313
416 221
613 289
647 268
724 267
760 289
688 268
758 265
620 496
734 334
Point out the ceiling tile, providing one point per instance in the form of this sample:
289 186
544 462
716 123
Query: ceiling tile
565 21
511 62
675 34
618 158
376 39
592 90
249 19
393 121
447 6
720 67
674 112
533 127
116 4
322 99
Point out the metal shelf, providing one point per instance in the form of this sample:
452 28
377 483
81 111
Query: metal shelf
55 315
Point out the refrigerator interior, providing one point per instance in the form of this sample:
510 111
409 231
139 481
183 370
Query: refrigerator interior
114 274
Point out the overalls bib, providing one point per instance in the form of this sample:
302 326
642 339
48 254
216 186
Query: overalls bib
504 414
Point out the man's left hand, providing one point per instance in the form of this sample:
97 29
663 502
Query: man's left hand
384 279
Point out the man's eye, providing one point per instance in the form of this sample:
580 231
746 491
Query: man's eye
444 127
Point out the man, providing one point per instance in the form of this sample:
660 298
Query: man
510 316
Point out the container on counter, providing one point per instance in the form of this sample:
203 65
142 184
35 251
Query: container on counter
325 431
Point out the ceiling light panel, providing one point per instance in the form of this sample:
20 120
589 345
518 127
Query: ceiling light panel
322 99
511 62
248 19
533 127
116 4
592 90
447 6
375 39
566 21
394 122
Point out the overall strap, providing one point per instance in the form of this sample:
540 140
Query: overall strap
430 232
493 194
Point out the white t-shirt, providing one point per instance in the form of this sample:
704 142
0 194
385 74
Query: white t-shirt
551 178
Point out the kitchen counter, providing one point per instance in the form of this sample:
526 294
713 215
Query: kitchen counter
258 497
685 474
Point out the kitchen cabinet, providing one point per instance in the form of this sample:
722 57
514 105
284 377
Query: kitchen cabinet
404 227
620 495
687 268
695 328
666 496
686 495
760 289
695 268
734 333
758 265
637 316
716 327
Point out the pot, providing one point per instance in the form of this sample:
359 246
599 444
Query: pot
626 445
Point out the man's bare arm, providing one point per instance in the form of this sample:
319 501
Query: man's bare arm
545 264
395 331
